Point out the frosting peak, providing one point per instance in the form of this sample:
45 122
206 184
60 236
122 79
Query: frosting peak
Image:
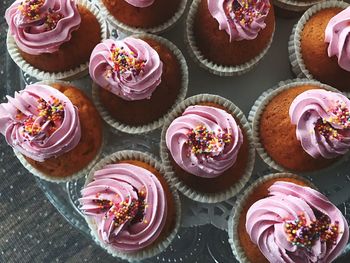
323 122
42 26
40 122
297 224
204 141
337 34
140 3
129 68
241 19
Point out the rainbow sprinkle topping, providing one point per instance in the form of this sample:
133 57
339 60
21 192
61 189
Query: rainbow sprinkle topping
31 8
303 235
124 62
52 20
205 142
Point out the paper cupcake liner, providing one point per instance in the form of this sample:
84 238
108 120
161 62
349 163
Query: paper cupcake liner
132 30
294 43
153 249
258 108
57 179
76 73
295 6
155 124
233 221
165 155
212 67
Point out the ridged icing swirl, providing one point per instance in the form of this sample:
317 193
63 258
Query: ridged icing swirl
128 204
241 19
42 26
204 141
40 122
323 122
297 224
337 34
129 68
140 3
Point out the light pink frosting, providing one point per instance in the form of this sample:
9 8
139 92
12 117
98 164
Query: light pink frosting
337 34
129 68
267 218
140 3
323 122
123 182
35 133
206 157
241 19
36 35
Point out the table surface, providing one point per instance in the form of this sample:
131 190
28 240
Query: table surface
31 229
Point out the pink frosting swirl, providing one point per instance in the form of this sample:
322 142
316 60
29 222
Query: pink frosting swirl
204 141
140 3
337 34
128 204
40 122
297 224
42 26
323 122
129 68
241 19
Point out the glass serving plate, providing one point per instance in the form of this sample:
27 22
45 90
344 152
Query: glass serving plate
203 234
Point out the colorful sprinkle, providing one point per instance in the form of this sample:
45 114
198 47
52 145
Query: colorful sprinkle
52 19
31 8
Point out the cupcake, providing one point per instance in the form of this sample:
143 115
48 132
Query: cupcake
229 37
282 218
129 205
135 16
54 129
301 126
318 45
133 75
207 148
53 39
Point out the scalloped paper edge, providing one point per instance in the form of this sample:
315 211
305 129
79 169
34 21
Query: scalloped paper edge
295 6
182 187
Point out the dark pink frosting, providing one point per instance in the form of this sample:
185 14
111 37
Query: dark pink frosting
128 205
287 225
46 28
241 19
204 141
40 122
129 68
140 3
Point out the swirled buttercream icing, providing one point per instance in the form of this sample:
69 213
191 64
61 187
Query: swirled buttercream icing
42 26
204 141
40 122
241 19
140 3
297 224
322 122
337 34
128 205
129 68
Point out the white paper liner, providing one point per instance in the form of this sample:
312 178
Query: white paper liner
132 30
294 43
155 124
258 108
76 73
58 179
165 155
233 221
295 6
212 67
155 248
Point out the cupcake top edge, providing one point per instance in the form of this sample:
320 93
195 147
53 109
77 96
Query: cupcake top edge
129 68
241 19
128 204
42 26
297 224
204 140
40 122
